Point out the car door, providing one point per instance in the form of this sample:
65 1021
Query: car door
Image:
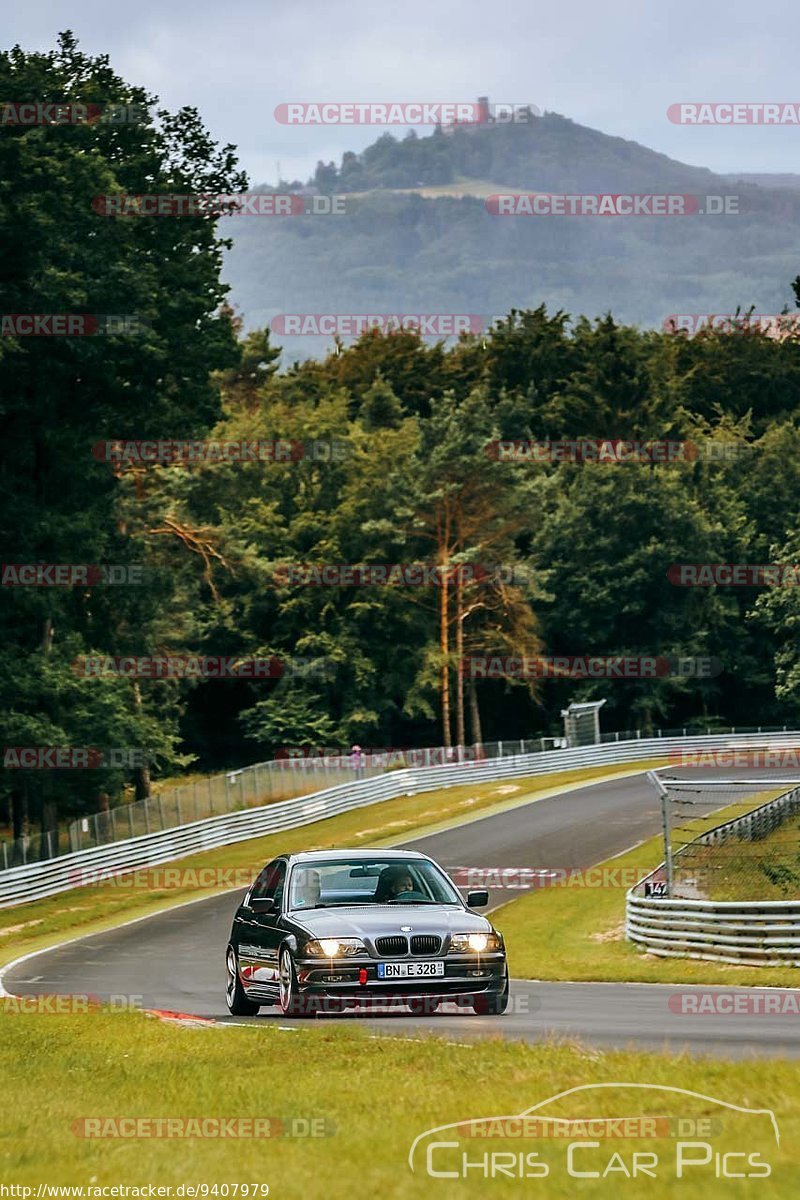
259 932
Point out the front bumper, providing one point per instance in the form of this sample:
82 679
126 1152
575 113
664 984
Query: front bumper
357 979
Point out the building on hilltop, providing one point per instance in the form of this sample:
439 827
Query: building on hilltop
482 118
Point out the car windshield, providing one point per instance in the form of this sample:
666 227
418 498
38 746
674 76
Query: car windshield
327 884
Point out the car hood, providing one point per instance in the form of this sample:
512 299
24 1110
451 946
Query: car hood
377 921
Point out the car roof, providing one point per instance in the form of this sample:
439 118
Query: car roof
352 855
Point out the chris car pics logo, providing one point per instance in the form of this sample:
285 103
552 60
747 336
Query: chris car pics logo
610 1131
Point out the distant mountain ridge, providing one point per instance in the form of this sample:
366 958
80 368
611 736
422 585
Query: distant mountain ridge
420 241
548 147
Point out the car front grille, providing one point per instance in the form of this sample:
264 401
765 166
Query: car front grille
392 947
425 943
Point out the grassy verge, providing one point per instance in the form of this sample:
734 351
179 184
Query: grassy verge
575 931
767 869
376 1095
33 926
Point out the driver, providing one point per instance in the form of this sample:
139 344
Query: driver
392 883
308 889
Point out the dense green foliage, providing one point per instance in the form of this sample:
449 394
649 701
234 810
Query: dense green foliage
590 544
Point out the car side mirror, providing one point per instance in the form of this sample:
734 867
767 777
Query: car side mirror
478 898
263 904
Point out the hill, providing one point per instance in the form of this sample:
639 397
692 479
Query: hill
420 238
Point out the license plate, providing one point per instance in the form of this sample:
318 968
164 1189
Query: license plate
409 970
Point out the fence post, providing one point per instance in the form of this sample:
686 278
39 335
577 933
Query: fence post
146 816
5 857
113 825
161 811
130 819
499 749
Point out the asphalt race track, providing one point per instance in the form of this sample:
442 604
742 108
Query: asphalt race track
174 960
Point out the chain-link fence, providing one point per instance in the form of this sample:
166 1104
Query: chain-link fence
249 787
730 840
283 779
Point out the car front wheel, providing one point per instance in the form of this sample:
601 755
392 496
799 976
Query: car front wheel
238 1004
291 1002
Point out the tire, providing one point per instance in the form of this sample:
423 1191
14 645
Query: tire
292 1004
238 1004
423 1006
492 1004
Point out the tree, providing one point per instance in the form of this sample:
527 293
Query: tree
62 394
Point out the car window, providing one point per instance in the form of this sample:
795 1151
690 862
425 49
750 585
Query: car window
326 884
270 882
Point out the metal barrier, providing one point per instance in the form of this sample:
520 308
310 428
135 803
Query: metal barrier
37 880
756 932
231 791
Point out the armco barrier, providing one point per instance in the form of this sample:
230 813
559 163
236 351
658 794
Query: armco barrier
757 932
37 880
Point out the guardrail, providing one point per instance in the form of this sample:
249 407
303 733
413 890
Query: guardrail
756 932
281 779
245 787
37 880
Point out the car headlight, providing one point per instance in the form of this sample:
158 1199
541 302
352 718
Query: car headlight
478 943
334 947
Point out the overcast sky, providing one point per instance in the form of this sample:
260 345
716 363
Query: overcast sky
615 66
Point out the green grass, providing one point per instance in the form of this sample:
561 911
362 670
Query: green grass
767 869
377 1093
33 926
